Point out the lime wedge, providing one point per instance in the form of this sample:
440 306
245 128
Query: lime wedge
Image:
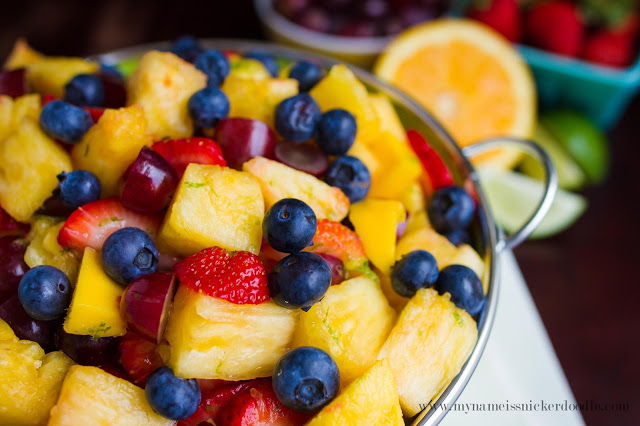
513 197
570 175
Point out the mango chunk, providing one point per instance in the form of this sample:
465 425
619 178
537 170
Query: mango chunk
49 75
162 84
376 222
214 206
29 164
91 396
387 116
111 145
95 304
22 55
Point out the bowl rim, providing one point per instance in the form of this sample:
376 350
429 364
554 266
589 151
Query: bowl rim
492 235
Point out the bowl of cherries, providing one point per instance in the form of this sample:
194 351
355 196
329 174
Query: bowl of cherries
351 30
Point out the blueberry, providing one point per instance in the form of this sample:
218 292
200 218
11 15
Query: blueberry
297 117
351 176
450 209
289 225
171 396
208 106
299 280
458 237
215 65
84 90
64 121
45 292
336 131
415 270
267 60
306 379
129 253
77 188
187 48
464 286
307 73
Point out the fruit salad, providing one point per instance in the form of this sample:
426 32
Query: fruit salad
200 236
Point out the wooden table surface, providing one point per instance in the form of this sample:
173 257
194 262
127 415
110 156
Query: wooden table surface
585 282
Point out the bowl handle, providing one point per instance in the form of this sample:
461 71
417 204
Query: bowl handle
550 184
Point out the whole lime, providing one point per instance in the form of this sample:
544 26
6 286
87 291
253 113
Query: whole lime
582 140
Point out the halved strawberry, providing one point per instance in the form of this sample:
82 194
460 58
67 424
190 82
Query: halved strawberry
10 226
212 401
435 174
257 405
180 152
336 239
237 277
91 224
139 357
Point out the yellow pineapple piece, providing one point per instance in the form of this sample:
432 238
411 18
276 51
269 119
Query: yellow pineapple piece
351 323
413 198
248 68
91 396
214 206
417 221
371 400
29 164
43 248
387 116
163 83
111 145
396 301
427 348
22 55
211 338
257 98
376 222
12 112
30 381
467 256
364 154
49 75
427 239
340 88
279 181
95 304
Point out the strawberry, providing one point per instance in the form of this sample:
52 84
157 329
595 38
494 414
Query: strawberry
337 240
501 15
556 26
257 405
212 401
609 48
91 224
10 226
180 152
139 357
238 277
436 174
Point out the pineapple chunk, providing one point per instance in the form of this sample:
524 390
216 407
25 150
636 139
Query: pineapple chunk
340 88
351 323
376 222
91 396
248 68
29 164
30 381
163 83
414 199
257 98
427 239
22 55
95 304
50 74
13 112
417 221
279 181
211 338
371 400
427 348
111 145
43 248
214 206
364 154
386 113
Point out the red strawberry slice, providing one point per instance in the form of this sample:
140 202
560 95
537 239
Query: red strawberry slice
238 277
91 224
436 174
139 357
257 405
212 401
10 226
181 152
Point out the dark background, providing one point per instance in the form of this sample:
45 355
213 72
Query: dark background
585 282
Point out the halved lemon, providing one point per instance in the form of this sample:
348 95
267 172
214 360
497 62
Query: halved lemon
469 77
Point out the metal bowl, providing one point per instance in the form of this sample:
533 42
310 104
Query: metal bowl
491 242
